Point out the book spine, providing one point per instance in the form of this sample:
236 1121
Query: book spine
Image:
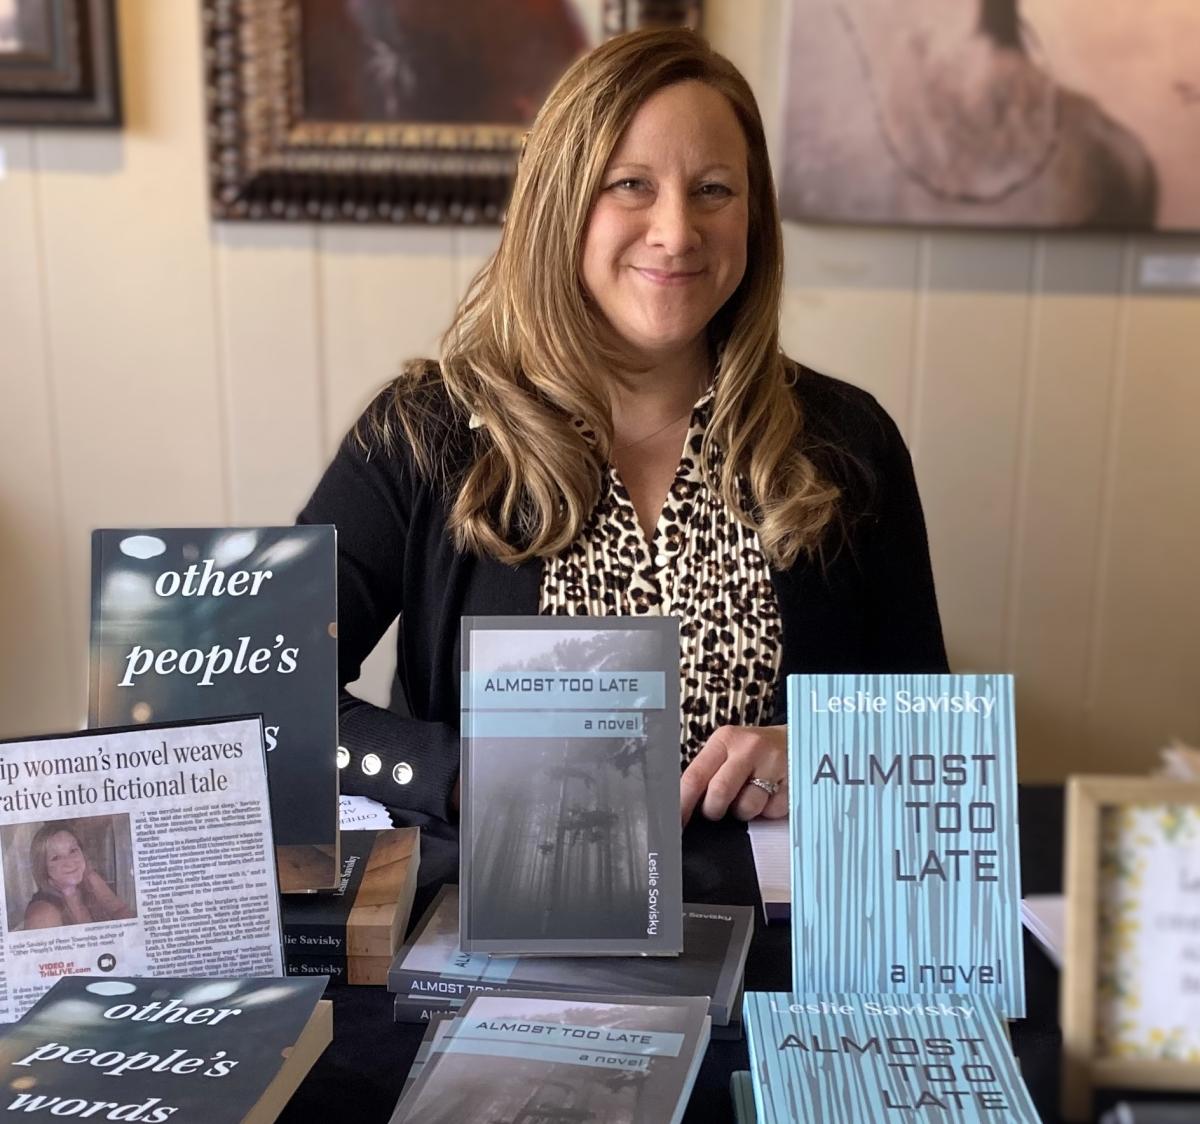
332 966
96 646
314 939
408 1009
432 986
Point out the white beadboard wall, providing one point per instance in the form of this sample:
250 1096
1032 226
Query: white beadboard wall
156 368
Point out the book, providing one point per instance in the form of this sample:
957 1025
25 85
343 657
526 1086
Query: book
367 913
192 623
144 851
876 1058
434 1032
570 841
370 971
771 849
716 940
595 1058
905 856
741 1092
216 1051
425 1009
1045 916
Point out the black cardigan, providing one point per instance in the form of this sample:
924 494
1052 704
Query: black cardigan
867 605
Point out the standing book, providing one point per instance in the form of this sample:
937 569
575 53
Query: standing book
905 857
570 842
188 1051
585 1058
200 622
879 1059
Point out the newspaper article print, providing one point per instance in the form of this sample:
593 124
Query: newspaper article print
136 852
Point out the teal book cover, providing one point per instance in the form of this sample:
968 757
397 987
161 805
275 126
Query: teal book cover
905 857
878 1059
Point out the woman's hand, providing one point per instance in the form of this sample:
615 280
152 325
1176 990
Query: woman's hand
96 884
719 776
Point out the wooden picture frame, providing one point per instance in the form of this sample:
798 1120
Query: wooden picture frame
58 63
1106 825
355 156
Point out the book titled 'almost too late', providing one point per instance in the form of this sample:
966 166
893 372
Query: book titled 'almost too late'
570 842
905 859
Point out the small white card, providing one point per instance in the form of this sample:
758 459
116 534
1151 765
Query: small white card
361 813
1169 271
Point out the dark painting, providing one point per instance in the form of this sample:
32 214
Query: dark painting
388 110
410 60
24 27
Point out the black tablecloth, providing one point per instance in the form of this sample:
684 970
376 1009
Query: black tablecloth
360 1075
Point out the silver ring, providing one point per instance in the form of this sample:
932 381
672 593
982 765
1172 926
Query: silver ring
769 787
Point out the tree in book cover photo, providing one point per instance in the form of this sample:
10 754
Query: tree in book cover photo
572 847
68 872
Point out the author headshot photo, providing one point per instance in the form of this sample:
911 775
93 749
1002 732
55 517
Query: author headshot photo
611 427
68 873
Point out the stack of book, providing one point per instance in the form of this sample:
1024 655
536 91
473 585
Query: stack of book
906 933
517 1056
431 975
856 1059
352 934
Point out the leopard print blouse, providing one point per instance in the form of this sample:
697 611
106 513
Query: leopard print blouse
703 566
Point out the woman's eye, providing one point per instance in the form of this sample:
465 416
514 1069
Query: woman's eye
715 190
629 183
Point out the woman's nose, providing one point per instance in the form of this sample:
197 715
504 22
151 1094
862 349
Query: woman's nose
673 226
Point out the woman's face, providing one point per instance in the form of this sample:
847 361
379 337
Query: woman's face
665 244
65 862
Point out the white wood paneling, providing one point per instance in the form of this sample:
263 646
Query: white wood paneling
128 273
1073 340
385 295
1143 688
270 346
849 307
36 653
966 430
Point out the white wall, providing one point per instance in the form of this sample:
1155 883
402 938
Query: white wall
155 368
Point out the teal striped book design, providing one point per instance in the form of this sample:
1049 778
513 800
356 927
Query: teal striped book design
905 858
741 1092
881 1059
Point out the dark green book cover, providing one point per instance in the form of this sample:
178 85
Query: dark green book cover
155 1050
192 623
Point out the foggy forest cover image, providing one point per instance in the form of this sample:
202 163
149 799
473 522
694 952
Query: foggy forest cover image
570 829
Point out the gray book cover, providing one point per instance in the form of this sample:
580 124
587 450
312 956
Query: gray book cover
194 623
570 841
578 1057
715 942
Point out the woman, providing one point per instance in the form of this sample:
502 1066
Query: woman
69 891
613 429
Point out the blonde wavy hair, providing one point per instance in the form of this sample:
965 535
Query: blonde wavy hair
528 352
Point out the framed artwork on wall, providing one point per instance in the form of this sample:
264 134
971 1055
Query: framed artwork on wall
58 63
389 111
1129 1004
1036 114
